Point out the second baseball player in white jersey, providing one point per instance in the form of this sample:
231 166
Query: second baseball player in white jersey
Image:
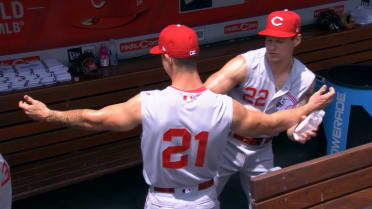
177 123
5 185
258 91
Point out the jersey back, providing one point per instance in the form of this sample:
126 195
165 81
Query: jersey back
181 135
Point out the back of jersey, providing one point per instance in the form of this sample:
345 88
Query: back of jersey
183 135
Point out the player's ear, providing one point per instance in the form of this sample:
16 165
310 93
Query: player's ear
168 58
297 39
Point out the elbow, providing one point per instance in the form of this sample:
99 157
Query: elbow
92 121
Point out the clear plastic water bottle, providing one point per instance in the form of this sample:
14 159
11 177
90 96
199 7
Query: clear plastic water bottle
113 52
103 56
310 123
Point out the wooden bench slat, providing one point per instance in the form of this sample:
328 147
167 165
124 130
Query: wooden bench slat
27 129
320 192
350 59
27 143
57 162
85 161
126 156
65 147
327 40
316 170
358 200
337 51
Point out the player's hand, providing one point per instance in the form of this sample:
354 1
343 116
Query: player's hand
320 99
34 108
303 138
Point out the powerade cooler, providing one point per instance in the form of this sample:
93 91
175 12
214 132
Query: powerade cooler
348 119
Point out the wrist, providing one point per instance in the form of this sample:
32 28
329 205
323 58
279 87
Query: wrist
308 108
49 115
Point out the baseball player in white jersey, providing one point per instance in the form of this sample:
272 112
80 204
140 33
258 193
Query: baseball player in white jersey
267 79
5 185
182 125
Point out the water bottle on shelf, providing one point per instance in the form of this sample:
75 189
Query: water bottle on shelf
310 123
113 52
103 56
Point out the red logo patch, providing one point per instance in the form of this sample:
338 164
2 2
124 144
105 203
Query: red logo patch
240 27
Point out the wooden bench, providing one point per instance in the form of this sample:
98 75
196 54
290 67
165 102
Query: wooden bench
46 156
341 180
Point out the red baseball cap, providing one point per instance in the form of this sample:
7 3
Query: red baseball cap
178 41
282 24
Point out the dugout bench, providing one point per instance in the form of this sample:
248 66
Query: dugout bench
341 180
45 156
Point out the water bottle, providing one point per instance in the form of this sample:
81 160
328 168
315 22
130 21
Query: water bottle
113 52
103 56
310 123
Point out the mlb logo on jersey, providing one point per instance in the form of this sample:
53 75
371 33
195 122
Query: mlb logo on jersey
186 190
187 98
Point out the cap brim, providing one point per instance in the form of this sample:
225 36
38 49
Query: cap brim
276 33
156 50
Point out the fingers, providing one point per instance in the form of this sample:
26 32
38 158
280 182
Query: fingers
303 117
21 104
26 102
29 99
306 136
331 91
322 89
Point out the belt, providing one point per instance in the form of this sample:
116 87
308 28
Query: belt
252 141
201 186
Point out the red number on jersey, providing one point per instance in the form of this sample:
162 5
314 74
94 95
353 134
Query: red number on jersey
250 96
5 172
185 145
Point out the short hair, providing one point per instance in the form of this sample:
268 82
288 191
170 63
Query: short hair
185 62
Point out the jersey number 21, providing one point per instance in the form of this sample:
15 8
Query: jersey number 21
201 137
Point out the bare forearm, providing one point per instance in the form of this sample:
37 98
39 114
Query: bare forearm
286 119
73 118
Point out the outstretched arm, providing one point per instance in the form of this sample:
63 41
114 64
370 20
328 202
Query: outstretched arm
117 117
254 123
230 75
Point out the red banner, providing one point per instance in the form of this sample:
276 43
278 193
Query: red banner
30 25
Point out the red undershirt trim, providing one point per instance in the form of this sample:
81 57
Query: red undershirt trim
201 89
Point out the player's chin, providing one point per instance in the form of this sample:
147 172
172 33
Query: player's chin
273 57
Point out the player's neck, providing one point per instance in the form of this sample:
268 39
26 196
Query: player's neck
281 66
281 71
186 80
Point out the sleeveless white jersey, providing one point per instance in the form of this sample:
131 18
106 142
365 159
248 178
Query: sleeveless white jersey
181 135
258 88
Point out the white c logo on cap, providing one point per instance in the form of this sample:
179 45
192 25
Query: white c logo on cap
277 21
98 5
